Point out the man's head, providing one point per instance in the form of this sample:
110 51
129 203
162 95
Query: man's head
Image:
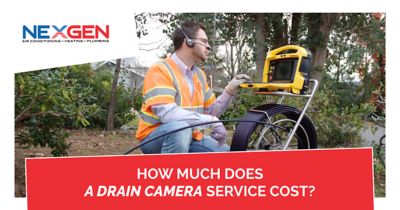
191 38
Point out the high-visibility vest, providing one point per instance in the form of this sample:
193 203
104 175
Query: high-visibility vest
164 83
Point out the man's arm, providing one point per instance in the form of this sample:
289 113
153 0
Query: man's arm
222 102
171 112
220 105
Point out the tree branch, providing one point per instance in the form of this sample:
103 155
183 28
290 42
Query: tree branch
155 48
22 114
56 114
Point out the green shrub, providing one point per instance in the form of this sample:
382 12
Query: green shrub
101 84
337 126
243 101
47 102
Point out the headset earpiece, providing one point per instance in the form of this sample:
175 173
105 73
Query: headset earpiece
189 42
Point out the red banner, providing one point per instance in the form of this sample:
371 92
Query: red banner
309 179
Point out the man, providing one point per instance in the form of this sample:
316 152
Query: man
176 95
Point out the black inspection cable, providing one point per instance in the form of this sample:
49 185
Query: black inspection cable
199 124
263 112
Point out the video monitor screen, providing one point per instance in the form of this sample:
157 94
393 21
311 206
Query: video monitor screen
282 70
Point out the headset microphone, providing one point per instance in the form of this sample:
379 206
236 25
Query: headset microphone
208 47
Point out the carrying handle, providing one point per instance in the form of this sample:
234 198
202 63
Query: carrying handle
277 53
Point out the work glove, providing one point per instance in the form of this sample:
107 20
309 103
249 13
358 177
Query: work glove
219 132
234 84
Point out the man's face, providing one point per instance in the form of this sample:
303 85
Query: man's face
200 51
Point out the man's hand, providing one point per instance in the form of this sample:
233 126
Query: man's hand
219 132
233 85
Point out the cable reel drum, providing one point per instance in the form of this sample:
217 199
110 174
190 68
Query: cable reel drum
286 73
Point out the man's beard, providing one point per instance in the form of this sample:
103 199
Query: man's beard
200 55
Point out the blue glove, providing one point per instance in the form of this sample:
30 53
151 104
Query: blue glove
219 132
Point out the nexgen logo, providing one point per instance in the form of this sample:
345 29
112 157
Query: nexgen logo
66 32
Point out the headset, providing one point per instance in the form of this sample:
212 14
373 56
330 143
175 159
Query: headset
190 43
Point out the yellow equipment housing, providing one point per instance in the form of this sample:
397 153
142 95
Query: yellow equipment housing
286 69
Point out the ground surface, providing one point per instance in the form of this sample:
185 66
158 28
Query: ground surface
83 143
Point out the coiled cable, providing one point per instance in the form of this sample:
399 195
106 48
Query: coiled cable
307 138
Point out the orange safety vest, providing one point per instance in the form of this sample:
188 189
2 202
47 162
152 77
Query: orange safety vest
164 83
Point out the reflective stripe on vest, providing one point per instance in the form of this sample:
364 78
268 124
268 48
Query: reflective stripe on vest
178 96
159 91
149 118
207 93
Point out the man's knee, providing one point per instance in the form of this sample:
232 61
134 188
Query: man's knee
185 134
208 144
223 148
178 125
178 142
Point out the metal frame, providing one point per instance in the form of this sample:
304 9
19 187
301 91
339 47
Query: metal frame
280 101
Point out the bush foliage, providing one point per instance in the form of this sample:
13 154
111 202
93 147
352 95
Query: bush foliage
47 102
